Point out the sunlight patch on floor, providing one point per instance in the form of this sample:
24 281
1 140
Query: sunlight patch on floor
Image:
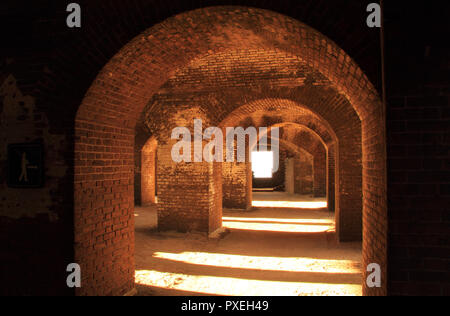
263 263
241 287
290 204
279 225
280 220
270 252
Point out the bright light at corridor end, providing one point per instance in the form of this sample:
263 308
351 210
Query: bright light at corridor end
262 164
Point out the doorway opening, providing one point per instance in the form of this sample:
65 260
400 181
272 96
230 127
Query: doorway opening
263 164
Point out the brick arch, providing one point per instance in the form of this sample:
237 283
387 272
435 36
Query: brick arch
319 151
294 148
105 121
323 153
291 130
344 152
288 150
259 113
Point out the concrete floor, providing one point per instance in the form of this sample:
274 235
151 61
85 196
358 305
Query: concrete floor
270 251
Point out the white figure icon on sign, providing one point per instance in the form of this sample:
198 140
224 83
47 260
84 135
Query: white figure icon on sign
24 174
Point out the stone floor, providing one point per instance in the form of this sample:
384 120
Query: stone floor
273 250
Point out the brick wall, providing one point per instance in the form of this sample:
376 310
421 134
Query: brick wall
418 87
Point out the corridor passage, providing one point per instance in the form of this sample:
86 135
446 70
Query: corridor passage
269 251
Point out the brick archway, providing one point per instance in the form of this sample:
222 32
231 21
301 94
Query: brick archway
105 122
270 112
307 155
320 143
343 143
315 145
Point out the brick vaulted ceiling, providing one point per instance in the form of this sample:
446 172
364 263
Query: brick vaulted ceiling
231 85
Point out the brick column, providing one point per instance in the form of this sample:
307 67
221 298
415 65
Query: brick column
303 173
290 177
331 170
349 187
189 194
320 173
148 176
237 185
237 182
